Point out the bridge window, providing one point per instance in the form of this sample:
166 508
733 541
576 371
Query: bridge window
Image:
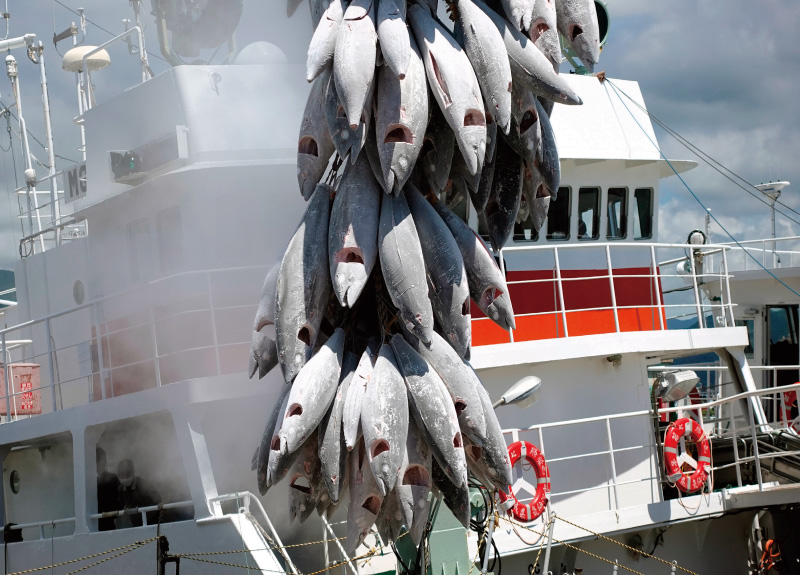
617 213
558 216
643 215
588 213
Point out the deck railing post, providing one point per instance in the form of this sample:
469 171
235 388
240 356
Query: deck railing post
755 446
561 292
728 287
611 285
735 449
50 364
613 466
154 340
659 300
700 319
6 377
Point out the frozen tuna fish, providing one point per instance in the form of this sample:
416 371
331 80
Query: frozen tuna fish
493 456
456 497
577 22
346 139
550 167
262 458
413 489
518 12
263 350
501 210
304 485
436 156
332 449
544 31
354 58
393 35
351 418
323 42
315 146
366 499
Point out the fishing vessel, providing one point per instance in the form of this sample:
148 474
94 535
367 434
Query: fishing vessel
138 279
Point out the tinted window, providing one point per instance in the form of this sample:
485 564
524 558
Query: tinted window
617 213
558 216
643 215
588 213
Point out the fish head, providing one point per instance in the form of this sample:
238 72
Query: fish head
350 275
310 165
400 150
361 517
500 311
417 325
301 497
541 205
586 42
472 140
263 354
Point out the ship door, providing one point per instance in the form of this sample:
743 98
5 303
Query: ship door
782 348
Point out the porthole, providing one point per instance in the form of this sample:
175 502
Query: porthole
78 292
13 481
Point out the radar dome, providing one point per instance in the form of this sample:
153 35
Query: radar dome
261 53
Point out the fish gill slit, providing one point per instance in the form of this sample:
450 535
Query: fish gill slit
542 191
417 476
308 146
427 147
457 442
475 452
340 113
489 295
275 444
304 335
529 120
575 32
398 134
460 406
349 256
379 446
440 80
361 455
372 504
474 117
295 410
465 307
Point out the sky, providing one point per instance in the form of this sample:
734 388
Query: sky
725 74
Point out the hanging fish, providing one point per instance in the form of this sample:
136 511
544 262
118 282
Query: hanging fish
525 136
262 454
354 58
414 488
524 211
501 210
365 499
346 140
447 280
279 462
263 349
464 183
487 52
456 497
537 196
353 232
481 196
436 156
401 119
315 146
550 166
403 267
390 518
304 483
312 393
332 449
518 12
434 413
487 286
453 83
544 31
529 66
494 452
393 36
577 22
303 286
323 42
351 418
317 8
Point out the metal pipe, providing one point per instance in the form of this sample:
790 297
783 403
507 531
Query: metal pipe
55 212
50 365
488 545
613 465
736 450
6 376
87 84
561 292
701 323
611 285
551 527
755 446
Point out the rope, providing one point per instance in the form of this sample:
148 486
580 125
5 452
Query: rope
277 547
694 195
367 555
126 548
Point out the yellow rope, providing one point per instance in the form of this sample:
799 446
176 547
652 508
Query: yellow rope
277 547
367 555
129 547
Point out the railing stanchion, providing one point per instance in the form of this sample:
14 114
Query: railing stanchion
755 446
728 286
613 291
6 377
613 466
50 364
503 271
154 340
561 292
735 449
701 324
214 321
656 290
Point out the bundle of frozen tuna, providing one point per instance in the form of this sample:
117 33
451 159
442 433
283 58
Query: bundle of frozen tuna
371 301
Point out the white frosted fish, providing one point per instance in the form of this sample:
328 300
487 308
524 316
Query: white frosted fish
529 66
486 50
351 418
503 205
518 12
456 497
453 83
577 22
354 58
353 231
544 31
323 42
346 139
550 166
447 280
403 267
494 452
526 130
487 286
304 485
393 35
401 119
390 518
415 484
317 8
537 196
263 349
312 393
262 457
384 420
366 499
314 147
433 410
332 450
436 156
303 286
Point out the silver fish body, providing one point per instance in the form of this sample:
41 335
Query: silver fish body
453 83
550 166
323 42
401 119
354 58
577 22
529 66
314 147
487 286
456 497
481 196
312 393
351 417
525 136
501 210
433 410
263 349
462 182
537 195
494 451
304 485
332 449
270 433
518 12
436 156
415 485
384 420
303 286
366 499
346 139
544 31
353 231
317 9
447 279
486 50
403 267
393 36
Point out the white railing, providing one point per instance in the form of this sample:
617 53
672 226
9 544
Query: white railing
642 286
597 453
767 253
144 352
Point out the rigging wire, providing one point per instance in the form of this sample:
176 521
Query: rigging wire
697 198
5 108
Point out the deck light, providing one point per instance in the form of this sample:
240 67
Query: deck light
676 385
522 394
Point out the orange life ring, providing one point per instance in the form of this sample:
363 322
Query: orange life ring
690 429
534 508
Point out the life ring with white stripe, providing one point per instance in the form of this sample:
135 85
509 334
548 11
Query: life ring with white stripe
693 431
533 509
